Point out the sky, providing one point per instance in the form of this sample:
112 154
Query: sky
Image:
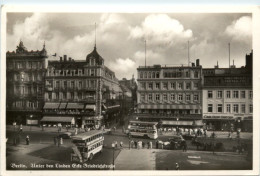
120 37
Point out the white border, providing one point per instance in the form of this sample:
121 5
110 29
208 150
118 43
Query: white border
138 9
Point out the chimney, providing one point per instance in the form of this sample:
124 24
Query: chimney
197 62
65 58
60 59
70 59
193 64
216 66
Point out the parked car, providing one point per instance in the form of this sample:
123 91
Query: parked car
188 136
65 135
176 141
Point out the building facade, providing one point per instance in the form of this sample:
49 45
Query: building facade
170 95
228 97
85 92
25 73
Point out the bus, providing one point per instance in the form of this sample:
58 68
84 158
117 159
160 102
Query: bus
144 129
89 143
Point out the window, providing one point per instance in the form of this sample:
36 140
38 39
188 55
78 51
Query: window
80 95
228 108
49 96
143 85
142 97
210 95
219 107
172 85
250 94
196 74
157 97
179 85
196 97
141 75
150 97
180 97
91 72
235 108
65 96
172 97
228 95
165 85
150 85
153 75
187 85
145 75
243 94
149 75
157 85
188 97
219 95
235 94
243 108
250 108
187 74
165 97
65 84
80 84
196 85
72 84
210 108
157 74
72 95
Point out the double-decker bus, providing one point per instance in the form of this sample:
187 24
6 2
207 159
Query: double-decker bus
89 143
145 129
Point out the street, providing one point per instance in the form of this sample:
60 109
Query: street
42 151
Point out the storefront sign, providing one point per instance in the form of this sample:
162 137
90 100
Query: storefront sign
218 117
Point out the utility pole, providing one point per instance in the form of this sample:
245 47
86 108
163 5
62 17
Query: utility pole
229 54
145 52
188 53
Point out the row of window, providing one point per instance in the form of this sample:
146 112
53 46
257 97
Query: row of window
25 104
92 147
171 97
70 95
171 85
79 72
71 84
27 77
229 94
169 74
27 90
235 108
25 65
168 111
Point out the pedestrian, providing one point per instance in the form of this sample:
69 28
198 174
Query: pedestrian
132 144
115 144
148 145
185 146
27 140
157 144
129 144
21 128
58 138
151 145
229 135
55 141
143 144
177 167
135 142
121 144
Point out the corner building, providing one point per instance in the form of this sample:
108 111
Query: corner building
228 97
82 93
25 72
170 95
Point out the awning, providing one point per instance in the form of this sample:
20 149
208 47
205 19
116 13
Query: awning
111 107
90 106
104 107
183 123
62 105
75 106
57 119
51 105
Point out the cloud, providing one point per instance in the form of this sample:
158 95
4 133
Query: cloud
240 29
161 30
123 67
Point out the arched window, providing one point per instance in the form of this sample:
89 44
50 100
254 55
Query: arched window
157 74
153 75
145 75
149 75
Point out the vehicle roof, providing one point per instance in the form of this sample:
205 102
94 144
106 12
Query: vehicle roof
143 122
84 136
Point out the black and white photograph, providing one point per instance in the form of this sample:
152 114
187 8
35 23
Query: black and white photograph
142 91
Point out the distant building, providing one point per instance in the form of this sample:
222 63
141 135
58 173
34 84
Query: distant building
130 86
228 97
81 92
170 95
25 72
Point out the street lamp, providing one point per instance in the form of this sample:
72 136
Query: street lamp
14 124
31 122
177 126
113 146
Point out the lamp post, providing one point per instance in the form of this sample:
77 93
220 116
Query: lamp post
177 125
31 116
113 146
14 141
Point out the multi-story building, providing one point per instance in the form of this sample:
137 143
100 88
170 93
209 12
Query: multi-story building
80 92
228 97
170 95
25 72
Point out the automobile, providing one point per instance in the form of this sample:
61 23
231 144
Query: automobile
176 142
65 135
188 136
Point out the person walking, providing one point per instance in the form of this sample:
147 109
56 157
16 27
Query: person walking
151 145
121 144
135 142
157 144
177 167
148 145
55 141
143 144
21 128
27 140
115 144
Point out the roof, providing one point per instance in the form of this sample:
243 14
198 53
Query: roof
56 119
51 105
84 136
94 53
142 122
62 105
75 106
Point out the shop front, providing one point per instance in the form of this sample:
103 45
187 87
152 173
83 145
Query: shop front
57 121
220 123
94 122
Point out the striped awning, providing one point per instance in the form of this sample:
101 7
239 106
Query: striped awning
63 105
57 119
51 105
111 107
182 123
90 106
75 106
